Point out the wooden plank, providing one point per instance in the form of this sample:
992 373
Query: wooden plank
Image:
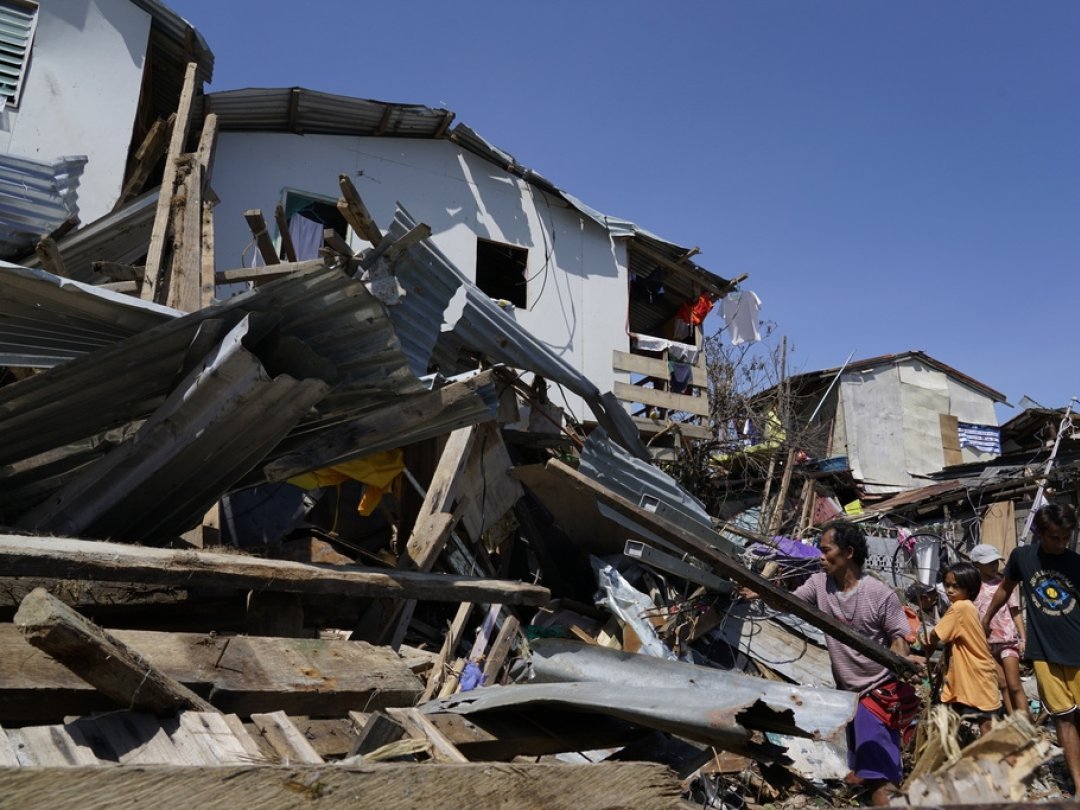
310 677
184 282
53 747
333 240
267 273
101 659
661 399
500 650
379 730
420 728
286 739
690 431
131 738
146 158
251 749
388 786
727 566
488 471
950 439
118 562
287 246
654 367
704 280
354 211
450 643
423 547
8 758
159 235
255 221
207 261
49 256
216 735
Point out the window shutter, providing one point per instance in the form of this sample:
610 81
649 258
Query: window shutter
17 20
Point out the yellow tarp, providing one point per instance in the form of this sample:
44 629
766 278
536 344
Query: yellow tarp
377 472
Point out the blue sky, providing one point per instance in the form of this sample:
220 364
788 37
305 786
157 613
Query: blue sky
892 176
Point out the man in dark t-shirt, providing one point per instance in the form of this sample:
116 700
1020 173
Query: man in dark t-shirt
1049 574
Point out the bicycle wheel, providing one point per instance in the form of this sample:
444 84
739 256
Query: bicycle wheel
923 557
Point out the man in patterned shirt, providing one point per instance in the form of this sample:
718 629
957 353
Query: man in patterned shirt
1050 575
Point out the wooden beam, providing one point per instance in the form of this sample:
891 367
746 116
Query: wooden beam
378 730
332 239
244 675
286 739
697 276
207 262
294 111
204 152
729 567
49 255
356 213
699 406
159 235
450 643
654 367
146 158
687 429
184 279
423 546
287 246
500 650
100 659
420 728
267 273
255 221
384 121
117 562
524 786
444 125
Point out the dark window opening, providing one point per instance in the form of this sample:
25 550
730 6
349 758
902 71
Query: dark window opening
320 214
501 271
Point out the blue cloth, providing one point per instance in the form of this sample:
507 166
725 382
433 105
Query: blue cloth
873 749
471 677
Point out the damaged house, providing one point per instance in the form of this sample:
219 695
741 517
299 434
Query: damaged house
456 601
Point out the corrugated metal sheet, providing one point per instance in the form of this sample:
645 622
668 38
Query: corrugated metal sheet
46 320
325 320
214 427
295 109
817 711
184 38
36 198
121 236
444 318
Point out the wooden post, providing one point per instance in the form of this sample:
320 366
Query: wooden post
776 519
146 157
287 246
49 256
450 643
263 241
156 253
101 660
354 211
184 282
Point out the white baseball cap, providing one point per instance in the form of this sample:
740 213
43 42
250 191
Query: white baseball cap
984 553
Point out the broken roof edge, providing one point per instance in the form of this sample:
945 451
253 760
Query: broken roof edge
182 32
298 110
810 377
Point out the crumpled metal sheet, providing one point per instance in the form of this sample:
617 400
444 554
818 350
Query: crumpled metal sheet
214 427
46 320
814 711
444 314
36 198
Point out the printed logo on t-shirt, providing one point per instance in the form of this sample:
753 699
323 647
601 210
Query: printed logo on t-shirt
1053 593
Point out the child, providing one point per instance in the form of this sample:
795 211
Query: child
971 685
1006 629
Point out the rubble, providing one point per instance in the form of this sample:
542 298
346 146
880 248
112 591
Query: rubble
332 563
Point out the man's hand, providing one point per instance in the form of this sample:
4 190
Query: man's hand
747 594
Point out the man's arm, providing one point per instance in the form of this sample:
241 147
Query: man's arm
1001 596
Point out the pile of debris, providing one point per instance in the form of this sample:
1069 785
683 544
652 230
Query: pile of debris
339 561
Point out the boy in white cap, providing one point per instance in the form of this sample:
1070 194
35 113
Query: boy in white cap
1006 633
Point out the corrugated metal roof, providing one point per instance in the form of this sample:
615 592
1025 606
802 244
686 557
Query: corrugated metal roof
36 198
295 109
182 35
298 110
444 317
811 378
46 320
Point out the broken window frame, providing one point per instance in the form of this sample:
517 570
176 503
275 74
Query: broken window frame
291 196
492 274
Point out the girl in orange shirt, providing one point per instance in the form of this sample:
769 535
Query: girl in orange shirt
971 686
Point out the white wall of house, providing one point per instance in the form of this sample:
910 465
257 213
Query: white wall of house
577 296
81 93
